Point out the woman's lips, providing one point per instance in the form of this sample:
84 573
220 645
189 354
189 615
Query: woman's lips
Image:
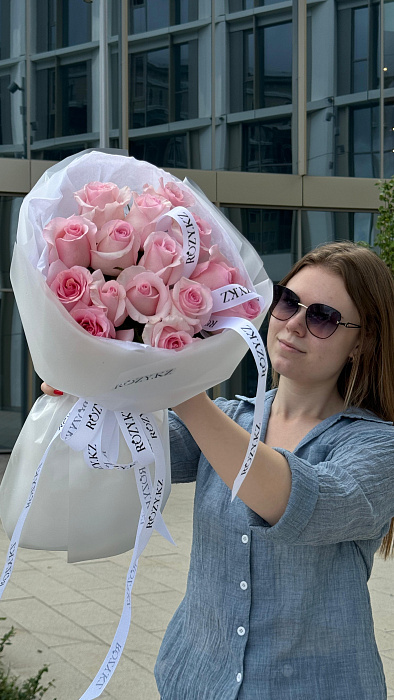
288 346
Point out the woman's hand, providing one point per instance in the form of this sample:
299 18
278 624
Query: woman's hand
49 390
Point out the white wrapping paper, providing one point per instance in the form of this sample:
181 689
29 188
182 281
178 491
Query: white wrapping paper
93 513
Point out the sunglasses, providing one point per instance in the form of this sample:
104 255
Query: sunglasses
321 320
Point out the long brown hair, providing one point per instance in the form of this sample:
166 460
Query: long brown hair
367 380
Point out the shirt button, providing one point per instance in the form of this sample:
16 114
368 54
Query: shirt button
243 585
239 677
245 539
241 631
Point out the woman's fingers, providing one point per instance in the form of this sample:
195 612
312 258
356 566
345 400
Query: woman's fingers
47 389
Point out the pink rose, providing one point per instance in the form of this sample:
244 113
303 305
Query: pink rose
109 296
217 271
193 301
102 201
117 247
147 297
127 334
178 195
72 286
145 211
172 333
249 309
70 240
163 255
94 321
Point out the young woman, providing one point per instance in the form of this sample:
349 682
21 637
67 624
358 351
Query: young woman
277 604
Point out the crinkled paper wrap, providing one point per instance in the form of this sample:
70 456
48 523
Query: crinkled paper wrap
119 375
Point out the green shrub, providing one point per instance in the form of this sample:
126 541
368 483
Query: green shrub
385 223
10 686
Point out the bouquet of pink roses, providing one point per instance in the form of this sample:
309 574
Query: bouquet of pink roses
112 278
123 270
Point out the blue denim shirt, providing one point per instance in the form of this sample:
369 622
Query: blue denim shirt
283 612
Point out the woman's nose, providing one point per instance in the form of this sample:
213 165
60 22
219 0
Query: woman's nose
297 324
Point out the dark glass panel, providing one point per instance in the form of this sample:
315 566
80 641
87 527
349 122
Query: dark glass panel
365 142
76 22
242 71
114 89
362 130
158 14
13 360
157 66
114 18
46 27
5 111
166 151
137 92
267 147
45 105
75 99
5 29
275 61
239 5
62 23
388 139
137 17
269 230
185 11
360 49
147 15
388 44
360 34
360 76
149 88
186 81
248 85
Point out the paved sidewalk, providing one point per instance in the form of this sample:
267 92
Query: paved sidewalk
66 614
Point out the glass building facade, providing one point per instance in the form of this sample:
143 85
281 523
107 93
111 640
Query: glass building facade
283 112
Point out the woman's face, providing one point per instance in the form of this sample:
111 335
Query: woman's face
297 354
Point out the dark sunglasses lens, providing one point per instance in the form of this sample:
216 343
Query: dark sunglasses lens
284 304
322 320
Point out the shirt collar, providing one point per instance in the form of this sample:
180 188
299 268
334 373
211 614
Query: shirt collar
350 412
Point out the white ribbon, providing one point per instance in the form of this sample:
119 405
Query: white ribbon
190 235
89 421
231 295
247 330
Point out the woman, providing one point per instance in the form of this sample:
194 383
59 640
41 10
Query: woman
277 605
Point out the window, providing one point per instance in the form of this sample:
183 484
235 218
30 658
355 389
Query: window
365 141
388 43
159 95
267 146
186 80
149 88
146 15
358 49
5 29
261 67
166 151
62 23
5 111
13 366
63 101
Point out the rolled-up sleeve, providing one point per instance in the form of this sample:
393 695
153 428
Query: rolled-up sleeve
349 496
184 451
